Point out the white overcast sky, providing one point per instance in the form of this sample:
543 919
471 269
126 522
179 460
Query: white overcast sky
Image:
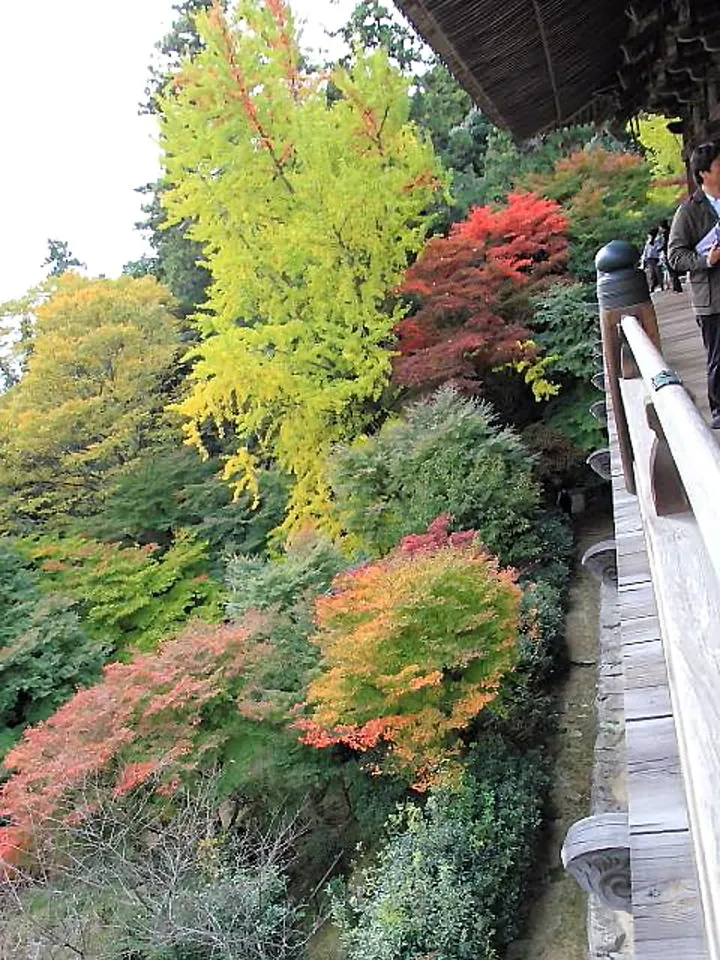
74 147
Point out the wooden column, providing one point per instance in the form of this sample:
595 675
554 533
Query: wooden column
622 289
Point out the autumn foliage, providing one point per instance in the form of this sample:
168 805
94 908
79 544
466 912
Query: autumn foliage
463 284
308 208
144 720
413 647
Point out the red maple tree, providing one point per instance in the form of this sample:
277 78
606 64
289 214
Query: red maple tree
468 319
145 719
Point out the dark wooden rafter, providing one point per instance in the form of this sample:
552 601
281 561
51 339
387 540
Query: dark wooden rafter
427 26
531 65
548 60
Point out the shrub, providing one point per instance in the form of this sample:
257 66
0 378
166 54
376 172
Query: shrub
605 195
565 325
569 414
46 662
450 880
156 886
413 647
153 717
446 455
45 654
129 597
306 569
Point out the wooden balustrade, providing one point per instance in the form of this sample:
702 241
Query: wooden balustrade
664 463
676 462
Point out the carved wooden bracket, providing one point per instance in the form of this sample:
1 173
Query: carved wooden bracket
667 488
596 853
600 560
599 461
599 411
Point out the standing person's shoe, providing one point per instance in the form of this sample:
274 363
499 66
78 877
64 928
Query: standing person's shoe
716 422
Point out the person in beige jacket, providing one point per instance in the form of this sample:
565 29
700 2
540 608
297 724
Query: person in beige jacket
692 223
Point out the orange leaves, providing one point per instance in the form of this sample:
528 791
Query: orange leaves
142 720
413 648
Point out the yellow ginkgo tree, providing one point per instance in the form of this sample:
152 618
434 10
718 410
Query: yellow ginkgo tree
309 193
91 397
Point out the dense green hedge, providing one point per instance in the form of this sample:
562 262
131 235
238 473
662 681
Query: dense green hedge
450 881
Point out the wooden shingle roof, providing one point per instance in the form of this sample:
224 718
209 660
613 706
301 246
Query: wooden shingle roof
536 64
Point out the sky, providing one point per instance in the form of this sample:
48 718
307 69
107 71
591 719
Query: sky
74 147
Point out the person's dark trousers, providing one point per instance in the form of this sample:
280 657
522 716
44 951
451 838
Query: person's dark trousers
710 328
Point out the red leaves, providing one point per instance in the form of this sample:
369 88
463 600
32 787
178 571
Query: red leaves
464 283
149 707
436 537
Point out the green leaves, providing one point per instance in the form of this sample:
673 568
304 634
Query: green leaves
44 651
446 455
449 881
565 319
129 597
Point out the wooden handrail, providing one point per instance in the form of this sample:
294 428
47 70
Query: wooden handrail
691 441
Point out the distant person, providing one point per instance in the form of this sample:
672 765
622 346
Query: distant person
652 252
672 275
694 248
564 501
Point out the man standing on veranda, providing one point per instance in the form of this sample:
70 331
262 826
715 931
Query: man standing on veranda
695 250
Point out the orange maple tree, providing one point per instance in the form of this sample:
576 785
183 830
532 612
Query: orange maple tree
145 719
464 284
413 647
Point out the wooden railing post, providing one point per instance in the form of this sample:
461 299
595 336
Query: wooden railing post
622 289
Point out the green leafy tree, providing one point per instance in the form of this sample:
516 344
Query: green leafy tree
606 196
447 455
177 261
451 878
170 490
44 651
129 597
91 399
372 25
181 41
413 647
309 211
565 324
59 258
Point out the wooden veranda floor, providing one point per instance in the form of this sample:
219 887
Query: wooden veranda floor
667 915
682 344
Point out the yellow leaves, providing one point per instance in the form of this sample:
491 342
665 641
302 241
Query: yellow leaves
413 648
241 465
88 397
534 373
308 212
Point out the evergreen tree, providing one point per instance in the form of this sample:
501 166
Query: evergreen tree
60 258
